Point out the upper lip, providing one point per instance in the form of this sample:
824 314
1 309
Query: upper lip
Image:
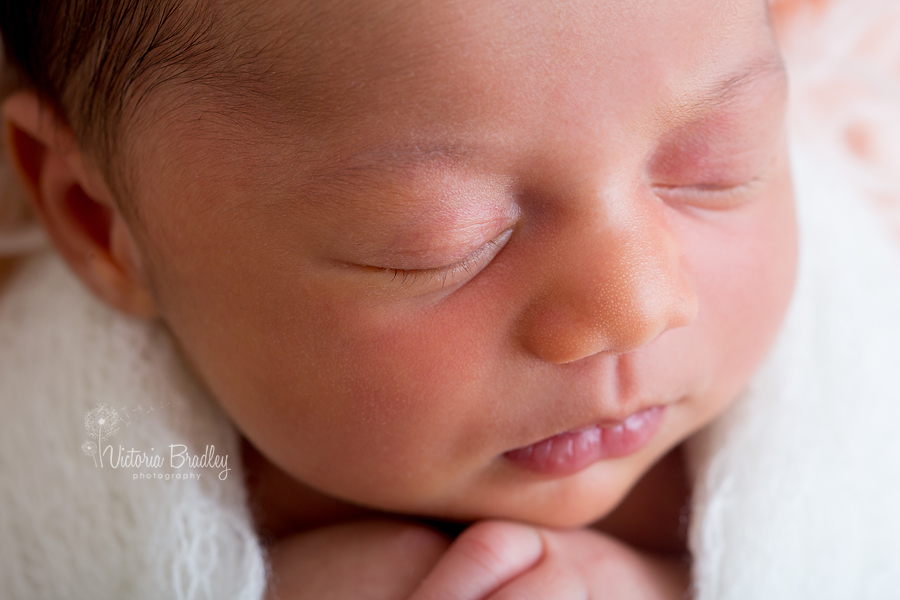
613 421
604 422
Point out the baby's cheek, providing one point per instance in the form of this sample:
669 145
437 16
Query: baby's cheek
385 399
746 270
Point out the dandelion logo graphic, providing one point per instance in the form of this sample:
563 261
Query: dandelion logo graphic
101 423
90 449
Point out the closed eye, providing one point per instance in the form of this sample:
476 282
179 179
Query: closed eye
444 277
711 196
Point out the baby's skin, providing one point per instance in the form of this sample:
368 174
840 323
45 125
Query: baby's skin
367 555
480 262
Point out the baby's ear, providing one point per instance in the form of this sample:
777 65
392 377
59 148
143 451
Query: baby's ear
75 204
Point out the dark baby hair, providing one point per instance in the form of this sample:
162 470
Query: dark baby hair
93 62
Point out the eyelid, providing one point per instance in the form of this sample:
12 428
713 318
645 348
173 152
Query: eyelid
711 197
448 275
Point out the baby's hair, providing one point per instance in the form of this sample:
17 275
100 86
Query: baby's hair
93 62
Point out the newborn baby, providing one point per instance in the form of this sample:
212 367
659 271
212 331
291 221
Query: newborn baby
469 262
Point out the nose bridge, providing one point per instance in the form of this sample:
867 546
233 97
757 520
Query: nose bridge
617 283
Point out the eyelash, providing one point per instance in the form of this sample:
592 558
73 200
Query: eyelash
457 272
713 197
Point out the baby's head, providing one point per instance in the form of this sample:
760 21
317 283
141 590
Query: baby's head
405 243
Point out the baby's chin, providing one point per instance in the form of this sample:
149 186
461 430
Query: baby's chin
574 513
570 502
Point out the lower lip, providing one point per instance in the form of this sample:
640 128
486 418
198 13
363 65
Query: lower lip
572 451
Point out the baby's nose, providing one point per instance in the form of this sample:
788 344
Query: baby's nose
614 282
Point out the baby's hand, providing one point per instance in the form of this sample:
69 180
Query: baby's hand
499 560
361 560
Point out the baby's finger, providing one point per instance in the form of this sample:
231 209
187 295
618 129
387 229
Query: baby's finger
550 579
481 560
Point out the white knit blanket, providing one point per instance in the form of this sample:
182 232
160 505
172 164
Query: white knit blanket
71 529
797 487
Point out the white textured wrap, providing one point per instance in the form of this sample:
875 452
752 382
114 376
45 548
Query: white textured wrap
797 486
71 530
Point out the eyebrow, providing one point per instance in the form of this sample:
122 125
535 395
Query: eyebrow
724 91
385 159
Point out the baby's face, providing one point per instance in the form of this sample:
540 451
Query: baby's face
446 232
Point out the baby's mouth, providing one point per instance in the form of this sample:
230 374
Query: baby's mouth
572 451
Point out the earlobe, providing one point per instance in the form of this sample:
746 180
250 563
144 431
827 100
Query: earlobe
75 205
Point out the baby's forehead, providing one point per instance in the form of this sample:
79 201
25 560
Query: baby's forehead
339 68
